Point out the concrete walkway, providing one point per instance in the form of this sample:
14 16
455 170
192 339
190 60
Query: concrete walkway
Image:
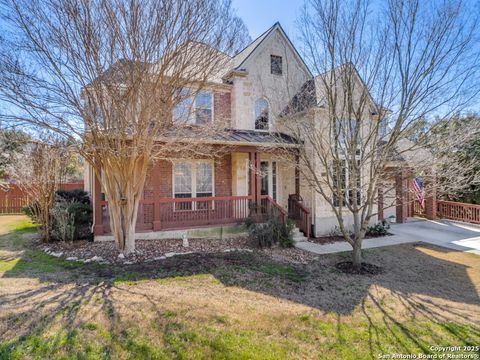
452 235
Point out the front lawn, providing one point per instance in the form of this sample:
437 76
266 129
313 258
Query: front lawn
233 305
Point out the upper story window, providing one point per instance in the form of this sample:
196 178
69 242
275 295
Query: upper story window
261 114
194 110
349 186
203 108
276 64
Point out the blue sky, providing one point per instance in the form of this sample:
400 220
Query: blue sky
259 15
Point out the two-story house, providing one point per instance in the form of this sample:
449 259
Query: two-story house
198 193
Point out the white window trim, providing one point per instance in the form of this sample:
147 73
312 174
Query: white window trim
347 178
193 163
212 95
192 115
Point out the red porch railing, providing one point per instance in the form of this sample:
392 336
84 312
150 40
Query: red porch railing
299 213
180 213
458 211
417 209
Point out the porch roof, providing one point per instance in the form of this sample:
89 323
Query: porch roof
236 137
259 137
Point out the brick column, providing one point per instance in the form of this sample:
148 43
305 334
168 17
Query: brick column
401 189
430 196
155 181
380 203
97 206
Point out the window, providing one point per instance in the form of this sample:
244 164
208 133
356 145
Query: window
192 179
183 184
261 114
276 64
204 183
203 108
196 110
264 178
181 112
345 132
343 185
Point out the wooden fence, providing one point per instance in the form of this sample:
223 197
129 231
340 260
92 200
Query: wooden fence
13 199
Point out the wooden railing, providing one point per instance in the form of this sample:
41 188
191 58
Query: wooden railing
417 209
270 207
299 213
458 211
181 213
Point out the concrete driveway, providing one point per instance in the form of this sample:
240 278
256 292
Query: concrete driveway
449 234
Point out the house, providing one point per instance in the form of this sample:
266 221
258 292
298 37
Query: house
203 194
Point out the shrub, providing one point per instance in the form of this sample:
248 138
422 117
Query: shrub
71 220
336 232
76 195
63 224
71 215
273 232
379 229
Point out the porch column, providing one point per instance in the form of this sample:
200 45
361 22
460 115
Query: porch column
156 183
297 175
97 210
380 203
258 185
251 173
430 196
401 189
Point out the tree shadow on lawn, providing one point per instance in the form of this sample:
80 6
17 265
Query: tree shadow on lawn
417 282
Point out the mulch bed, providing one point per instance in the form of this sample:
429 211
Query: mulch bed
326 240
366 269
153 250
333 239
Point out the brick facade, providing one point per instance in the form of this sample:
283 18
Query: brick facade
160 178
222 108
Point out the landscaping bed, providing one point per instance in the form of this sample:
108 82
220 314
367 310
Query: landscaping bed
156 250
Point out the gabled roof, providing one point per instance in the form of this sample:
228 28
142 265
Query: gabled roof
310 94
239 60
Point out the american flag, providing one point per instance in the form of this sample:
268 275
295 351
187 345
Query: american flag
418 189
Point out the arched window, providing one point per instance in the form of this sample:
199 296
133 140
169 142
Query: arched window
261 114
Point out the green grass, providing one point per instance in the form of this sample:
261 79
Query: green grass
233 306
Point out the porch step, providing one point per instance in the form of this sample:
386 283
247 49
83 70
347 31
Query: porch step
298 235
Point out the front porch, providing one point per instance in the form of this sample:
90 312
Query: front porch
185 194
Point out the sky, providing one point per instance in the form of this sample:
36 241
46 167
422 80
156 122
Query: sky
259 15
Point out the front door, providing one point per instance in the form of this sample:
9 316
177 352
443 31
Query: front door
268 171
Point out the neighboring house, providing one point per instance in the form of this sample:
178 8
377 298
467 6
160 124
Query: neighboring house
246 98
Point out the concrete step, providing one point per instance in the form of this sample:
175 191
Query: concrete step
298 236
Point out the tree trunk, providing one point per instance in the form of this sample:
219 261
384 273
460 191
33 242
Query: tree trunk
357 254
123 210
124 188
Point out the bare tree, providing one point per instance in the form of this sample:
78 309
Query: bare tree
39 171
455 141
108 74
381 70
